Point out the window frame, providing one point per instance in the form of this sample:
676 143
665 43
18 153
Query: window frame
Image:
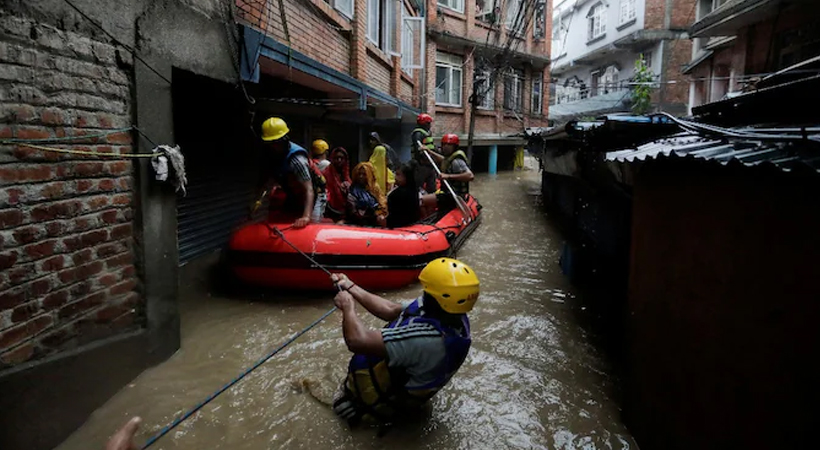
347 13
383 36
509 20
453 5
488 101
537 79
515 77
540 10
449 62
374 34
626 7
596 12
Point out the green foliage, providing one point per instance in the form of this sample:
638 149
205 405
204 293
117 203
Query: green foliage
642 92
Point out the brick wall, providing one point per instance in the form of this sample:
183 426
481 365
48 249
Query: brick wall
67 273
315 29
456 120
406 92
378 74
654 12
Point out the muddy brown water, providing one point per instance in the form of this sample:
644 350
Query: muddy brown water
533 379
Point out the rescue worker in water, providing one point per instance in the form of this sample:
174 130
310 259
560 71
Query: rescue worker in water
425 342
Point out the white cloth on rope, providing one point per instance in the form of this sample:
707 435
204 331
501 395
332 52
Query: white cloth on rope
177 160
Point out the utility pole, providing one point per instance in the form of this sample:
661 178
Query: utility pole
473 104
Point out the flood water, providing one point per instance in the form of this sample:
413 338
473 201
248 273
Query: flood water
533 378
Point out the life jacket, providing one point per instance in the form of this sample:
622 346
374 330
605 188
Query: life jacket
379 390
316 176
427 140
460 187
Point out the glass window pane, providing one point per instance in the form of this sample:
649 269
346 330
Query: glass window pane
345 7
456 87
441 84
373 21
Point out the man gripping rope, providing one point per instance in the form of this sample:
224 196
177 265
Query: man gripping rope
408 361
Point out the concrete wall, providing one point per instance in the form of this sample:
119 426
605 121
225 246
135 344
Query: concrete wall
624 60
723 310
576 42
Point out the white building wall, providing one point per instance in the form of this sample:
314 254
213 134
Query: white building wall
624 61
574 43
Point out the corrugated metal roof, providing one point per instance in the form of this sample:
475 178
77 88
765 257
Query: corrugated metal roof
784 155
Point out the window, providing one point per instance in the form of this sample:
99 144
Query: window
486 11
595 79
513 89
597 21
537 93
485 87
539 29
448 79
707 6
610 79
407 41
627 10
412 41
343 6
647 59
455 5
381 24
513 19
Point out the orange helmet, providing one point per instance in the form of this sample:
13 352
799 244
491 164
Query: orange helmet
449 139
424 119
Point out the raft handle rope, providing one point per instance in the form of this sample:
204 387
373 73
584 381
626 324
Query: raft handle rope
247 371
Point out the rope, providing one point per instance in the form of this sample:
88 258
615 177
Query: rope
88 153
278 232
263 360
68 138
117 41
270 355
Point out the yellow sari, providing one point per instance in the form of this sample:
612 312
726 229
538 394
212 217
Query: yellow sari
384 176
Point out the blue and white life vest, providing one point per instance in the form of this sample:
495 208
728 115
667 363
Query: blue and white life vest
380 389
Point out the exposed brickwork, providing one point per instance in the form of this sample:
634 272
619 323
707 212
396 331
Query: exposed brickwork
654 14
319 32
378 74
456 120
66 258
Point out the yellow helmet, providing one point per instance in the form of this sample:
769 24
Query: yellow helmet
320 147
452 283
273 129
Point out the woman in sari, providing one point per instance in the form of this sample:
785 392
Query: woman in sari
337 175
378 158
366 204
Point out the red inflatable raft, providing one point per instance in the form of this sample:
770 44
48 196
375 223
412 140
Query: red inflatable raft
374 258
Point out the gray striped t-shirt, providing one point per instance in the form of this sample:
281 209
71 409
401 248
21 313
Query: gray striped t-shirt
417 348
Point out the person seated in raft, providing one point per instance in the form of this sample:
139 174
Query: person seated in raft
454 170
404 202
291 167
337 176
385 177
366 204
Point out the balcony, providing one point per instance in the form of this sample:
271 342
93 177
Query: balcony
574 102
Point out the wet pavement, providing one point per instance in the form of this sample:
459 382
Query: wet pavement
533 378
